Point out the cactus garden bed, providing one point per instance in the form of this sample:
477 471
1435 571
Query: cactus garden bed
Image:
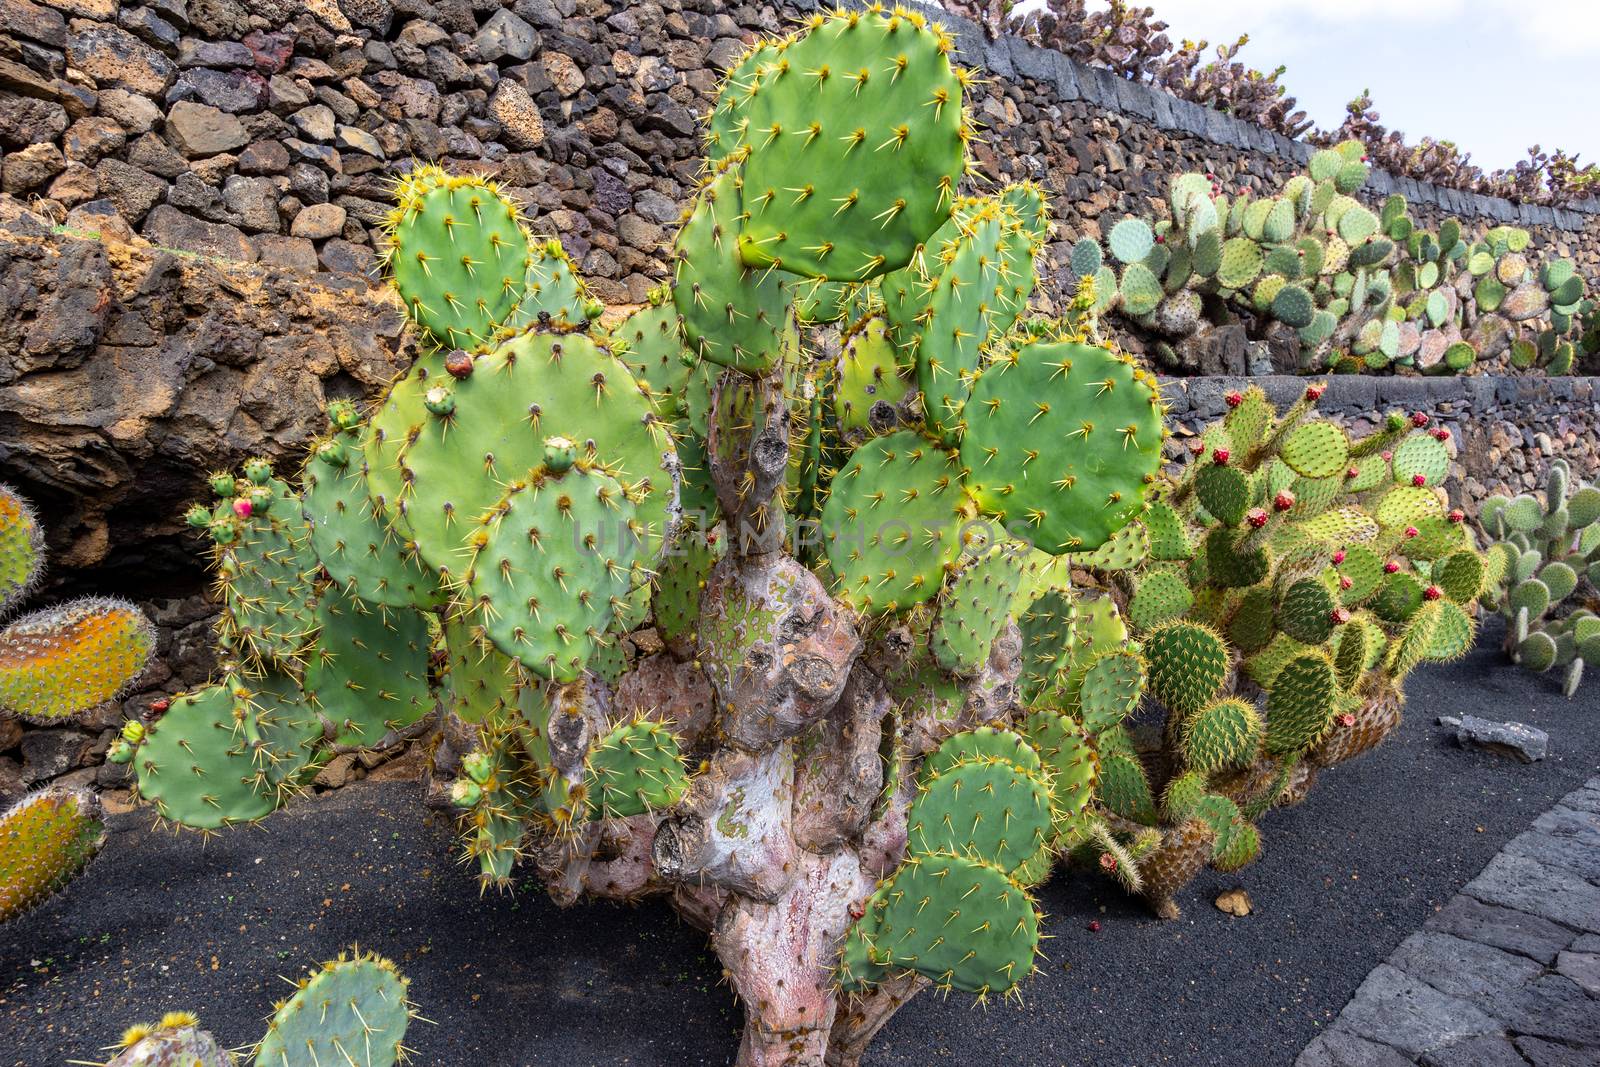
513 980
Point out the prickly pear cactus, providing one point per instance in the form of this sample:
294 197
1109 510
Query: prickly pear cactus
175 1041
763 598
46 840
1360 289
1543 574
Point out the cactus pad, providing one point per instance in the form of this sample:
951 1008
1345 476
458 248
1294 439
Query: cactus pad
632 769
1222 734
58 664
458 256
1062 442
21 548
986 808
1300 704
1188 665
46 840
352 1011
367 673
197 767
552 563
853 162
972 607
893 521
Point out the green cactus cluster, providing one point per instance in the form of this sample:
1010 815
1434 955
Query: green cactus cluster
1363 289
1543 573
831 541
352 1010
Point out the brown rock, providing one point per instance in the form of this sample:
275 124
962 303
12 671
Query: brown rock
517 114
1235 902
319 221
134 113
34 21
131 189
202 130
26 120
74 185
563 73
116 59
294 253
29 168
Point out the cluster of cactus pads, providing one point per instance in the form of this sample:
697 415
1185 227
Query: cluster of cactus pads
764 597
352 1011
58 665
1545 570
1362 290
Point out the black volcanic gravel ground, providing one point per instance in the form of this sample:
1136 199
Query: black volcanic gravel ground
161 923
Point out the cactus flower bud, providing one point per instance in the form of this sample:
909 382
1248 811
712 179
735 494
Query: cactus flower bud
1419 480
1315 390
333 453
1221 457
440 400
1256 517
1161 239
119 752
258 470
243 508
1340 616
1352 472
342 415
1197 448
222 532
133 731
198 517
1456 515
261 498
1419 419
477 766
465 793
1234 399
1345 582
1387 456
458 364
1411 531
559 454
1433 592
1394 422
1338 557
223 484
1441 434
1391 567
1347 720
1283 501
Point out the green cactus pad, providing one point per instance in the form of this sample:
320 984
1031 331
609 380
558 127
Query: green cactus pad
1421 454
961 922
367 673
1086 258
986 808
1537 651
972 607
680 577
1074 770
853 163
984 742
1301 703
357 548
552 293
1131 240
1140 288
551 565
265 569
634 768
867 375
893 522
733 314
1398 597
21 548
534 386
1123 786
1063 440
352 1011
480 683
1452 635
1188 665
46 840
1222 734
1225 492
650 343
1316 449
59 664
1109 689
1161 595
1229 566
1251 626
1169 537
1046 628
1306 612
196 766
459 256
1241 263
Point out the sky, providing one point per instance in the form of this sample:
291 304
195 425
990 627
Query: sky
1495 76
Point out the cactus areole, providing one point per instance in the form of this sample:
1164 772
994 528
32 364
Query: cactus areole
763 598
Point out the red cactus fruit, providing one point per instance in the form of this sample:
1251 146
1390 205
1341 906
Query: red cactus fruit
1391 567
1419 419
1256 517
1433 592
459 364
1338 557
1283 501
1419 480
1234 399
242 507
1221 456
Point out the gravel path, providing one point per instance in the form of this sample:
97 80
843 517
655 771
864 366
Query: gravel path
1383 844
